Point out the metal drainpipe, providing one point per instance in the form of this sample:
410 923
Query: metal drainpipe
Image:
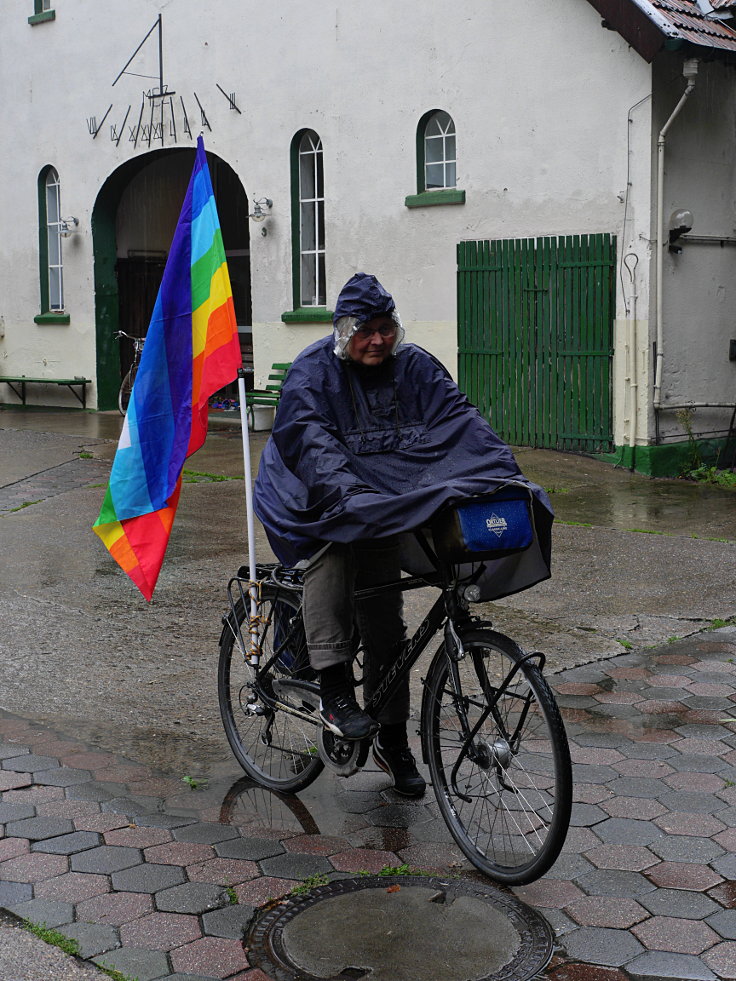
689 70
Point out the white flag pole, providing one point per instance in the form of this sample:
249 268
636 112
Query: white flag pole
250 523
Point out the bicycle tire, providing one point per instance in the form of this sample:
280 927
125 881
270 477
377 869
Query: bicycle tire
507 799
277 749
126 387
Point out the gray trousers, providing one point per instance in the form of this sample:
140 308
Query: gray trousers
331 615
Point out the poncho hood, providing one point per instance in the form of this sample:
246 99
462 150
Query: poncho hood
363 453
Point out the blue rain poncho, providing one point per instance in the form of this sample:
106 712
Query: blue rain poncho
362 453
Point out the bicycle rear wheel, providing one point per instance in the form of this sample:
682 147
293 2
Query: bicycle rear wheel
505 792
277 749
126 388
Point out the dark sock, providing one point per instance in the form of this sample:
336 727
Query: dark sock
333 681
394 736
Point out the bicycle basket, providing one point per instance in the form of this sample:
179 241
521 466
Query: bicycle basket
484 527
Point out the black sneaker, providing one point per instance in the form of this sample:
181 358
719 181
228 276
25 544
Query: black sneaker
400 764
342 715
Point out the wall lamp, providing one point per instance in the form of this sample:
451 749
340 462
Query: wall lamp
681 222
68 226
259 214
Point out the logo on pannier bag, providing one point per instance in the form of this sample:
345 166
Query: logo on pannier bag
496 524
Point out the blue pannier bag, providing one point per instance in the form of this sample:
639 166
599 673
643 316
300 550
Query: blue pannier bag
485 527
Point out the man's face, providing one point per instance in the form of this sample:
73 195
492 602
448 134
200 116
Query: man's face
368 346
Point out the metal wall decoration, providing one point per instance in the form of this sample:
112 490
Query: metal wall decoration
161 117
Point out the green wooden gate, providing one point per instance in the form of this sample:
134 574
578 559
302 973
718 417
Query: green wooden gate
535 338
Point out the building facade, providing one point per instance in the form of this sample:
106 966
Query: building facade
394 139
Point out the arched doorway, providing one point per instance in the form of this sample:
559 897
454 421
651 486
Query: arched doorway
133 223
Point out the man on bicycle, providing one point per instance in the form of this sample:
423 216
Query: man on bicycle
371 438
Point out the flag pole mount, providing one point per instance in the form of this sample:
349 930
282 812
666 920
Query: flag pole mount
253 654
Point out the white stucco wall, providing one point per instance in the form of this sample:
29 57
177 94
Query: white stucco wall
540 95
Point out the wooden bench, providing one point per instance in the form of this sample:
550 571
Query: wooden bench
71 383
269 396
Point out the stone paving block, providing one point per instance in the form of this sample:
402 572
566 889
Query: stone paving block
569 866
180 853
294 866
724 923
632 858
106 859
722 959
14 892
73 887
92 938
586 815
662 967
134 962
607 882
191 897
8 751
675 935
628 831
206 833
169 821
115 908
249 849
678 903
147 878
230 921
692 802
259 891
101 822
14 781
678 823
596 945
136 837
218 955
361 860
161 931
77 841
600 911
29 763
697 764
65 777
633 807
68 808
549 893
132 805
725 866
49 912
33 867
90 791
681 848
638 787
222 871
16 812
679 875
12 847
39 828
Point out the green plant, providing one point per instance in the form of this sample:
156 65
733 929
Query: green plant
576 524
25 504
557 490
53 937
192 783
115 975
685 418
625 643
84 455
712 475
232 896
646 531
195 476
311 882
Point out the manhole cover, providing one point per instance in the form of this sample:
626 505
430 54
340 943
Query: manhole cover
400 928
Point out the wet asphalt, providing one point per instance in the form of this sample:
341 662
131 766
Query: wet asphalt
642 569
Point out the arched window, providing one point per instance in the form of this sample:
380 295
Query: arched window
308 220
50 227
437 168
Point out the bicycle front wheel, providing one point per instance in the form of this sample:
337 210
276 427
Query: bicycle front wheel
126 388
276 748
499 758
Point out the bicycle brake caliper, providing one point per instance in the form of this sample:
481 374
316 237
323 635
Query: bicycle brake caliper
453 643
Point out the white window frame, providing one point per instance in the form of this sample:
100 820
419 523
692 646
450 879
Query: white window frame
439 132
310 160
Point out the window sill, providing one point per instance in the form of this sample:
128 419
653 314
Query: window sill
43 16
307 315
52 318
426 199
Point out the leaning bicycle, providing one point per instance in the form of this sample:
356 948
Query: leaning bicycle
491 732
126 386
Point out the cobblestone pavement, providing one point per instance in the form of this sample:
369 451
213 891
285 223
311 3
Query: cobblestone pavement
159 881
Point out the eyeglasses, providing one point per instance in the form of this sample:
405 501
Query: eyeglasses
385 330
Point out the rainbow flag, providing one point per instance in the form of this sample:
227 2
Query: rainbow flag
191 351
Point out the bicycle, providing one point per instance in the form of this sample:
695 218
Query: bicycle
491 731
126 386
